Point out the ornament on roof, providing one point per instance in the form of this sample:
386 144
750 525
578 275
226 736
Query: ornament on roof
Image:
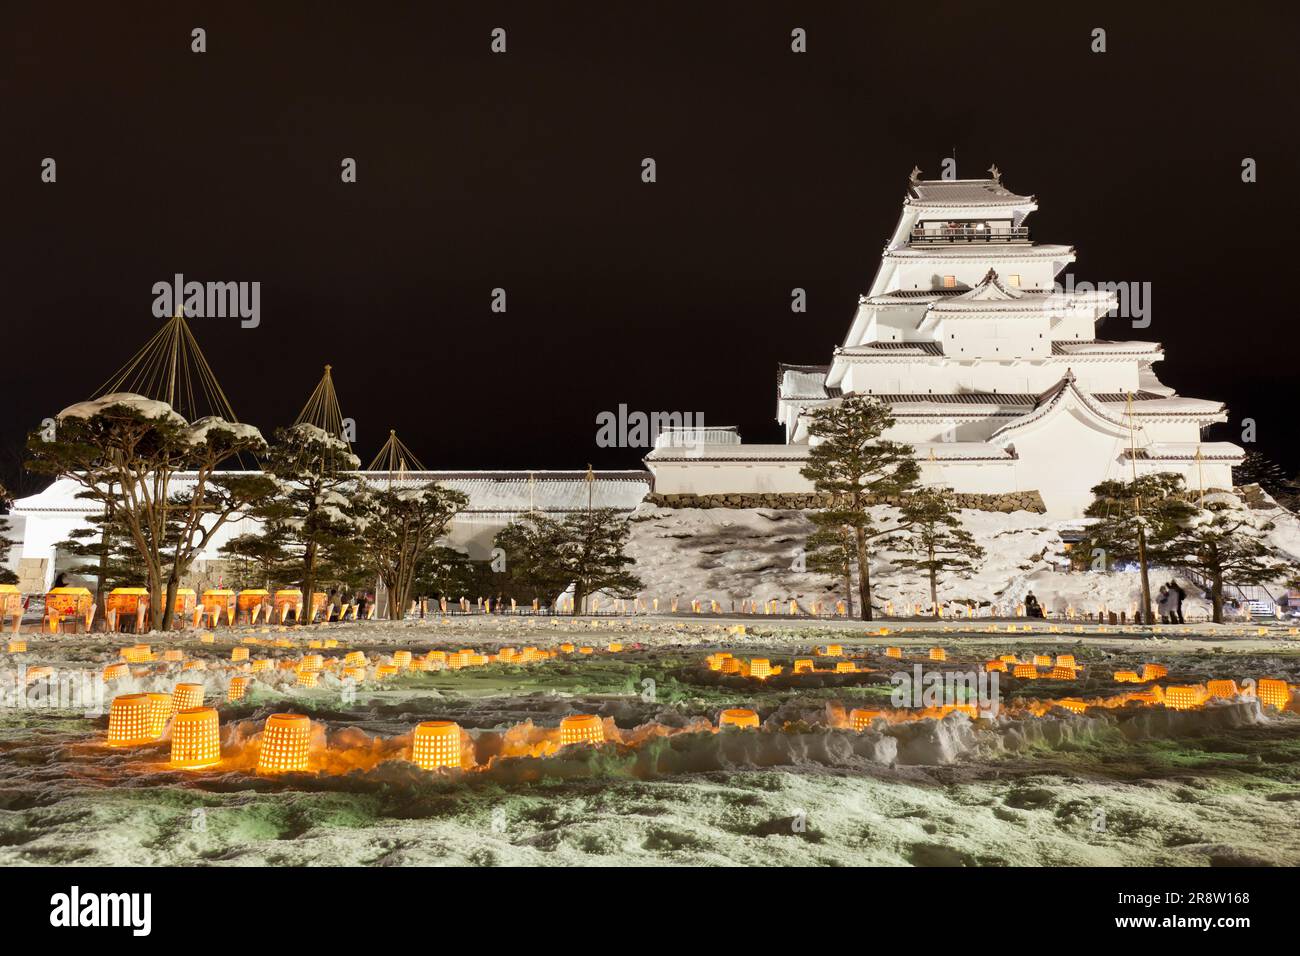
915 176
995 173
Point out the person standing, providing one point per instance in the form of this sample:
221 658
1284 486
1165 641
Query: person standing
1179 595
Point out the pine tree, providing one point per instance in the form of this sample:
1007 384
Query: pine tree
127 451
1136 521
533 548
313 469
593 554
6 543
1222 541
935 541
832 550
398 528
855 466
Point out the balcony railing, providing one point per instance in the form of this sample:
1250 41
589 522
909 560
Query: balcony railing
950 234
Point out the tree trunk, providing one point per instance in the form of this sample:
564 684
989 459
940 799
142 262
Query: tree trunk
934 595
1146 579
864 573
848 589
169 612
308 583
579 597
1216 596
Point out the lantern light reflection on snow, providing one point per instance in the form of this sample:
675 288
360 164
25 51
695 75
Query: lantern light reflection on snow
861 719
196 739
1273 693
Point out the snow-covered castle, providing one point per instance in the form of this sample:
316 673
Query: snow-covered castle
994 372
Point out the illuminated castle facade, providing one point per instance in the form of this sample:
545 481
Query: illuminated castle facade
995 374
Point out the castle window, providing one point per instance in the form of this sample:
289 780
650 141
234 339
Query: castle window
950 282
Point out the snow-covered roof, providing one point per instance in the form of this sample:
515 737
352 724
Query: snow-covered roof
892 349
730 453
963 192
997 253
802 382
1188 451
1104 347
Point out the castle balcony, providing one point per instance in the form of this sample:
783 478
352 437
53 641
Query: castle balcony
942 234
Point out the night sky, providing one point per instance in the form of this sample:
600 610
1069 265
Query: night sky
522 171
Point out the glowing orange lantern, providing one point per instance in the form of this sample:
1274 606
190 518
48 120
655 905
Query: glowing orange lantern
1063 673
402 660
128 721
803 665
116 672
1126 677
1154 671
996 666
1273 693
938 654
861 719
160 711
186 697
196 741
436 743
760 667
1065 660
385 670
738 717
1222 688
238 688
1072 705
39 673
832 650
614 648
285 742
1025 670
893 652
566 648
219 603
1009 659
581 728
1183 698
355 659
173 657
239 653
356 673
17 647
730 665
308 678
261 664
1042 660
846 667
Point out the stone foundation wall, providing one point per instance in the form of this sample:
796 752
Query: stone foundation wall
1010 501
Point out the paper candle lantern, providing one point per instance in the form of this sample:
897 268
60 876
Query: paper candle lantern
1009 659
803 665
402 659
1065 660
116 672
1042 660
186 697
384 670
1182 698
938 654
308 678
1221 688
832 650
1062 673
355 673
614 648
893 652
312 662
1273 693
355 659
846 667
738 717
17 647
1025 670
861 719
238 688
581 728
1154 671
730 665
436 743
239 653
760 667
1072 705
261 664
1126 677
139 654
160 711
196 739
285 741
39 673
991 666
128 721
173 657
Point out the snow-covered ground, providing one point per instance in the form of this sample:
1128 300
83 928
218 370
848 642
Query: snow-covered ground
1142 785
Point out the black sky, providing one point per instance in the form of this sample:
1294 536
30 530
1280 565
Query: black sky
522 171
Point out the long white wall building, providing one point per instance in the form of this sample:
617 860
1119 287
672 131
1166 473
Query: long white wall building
994 372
